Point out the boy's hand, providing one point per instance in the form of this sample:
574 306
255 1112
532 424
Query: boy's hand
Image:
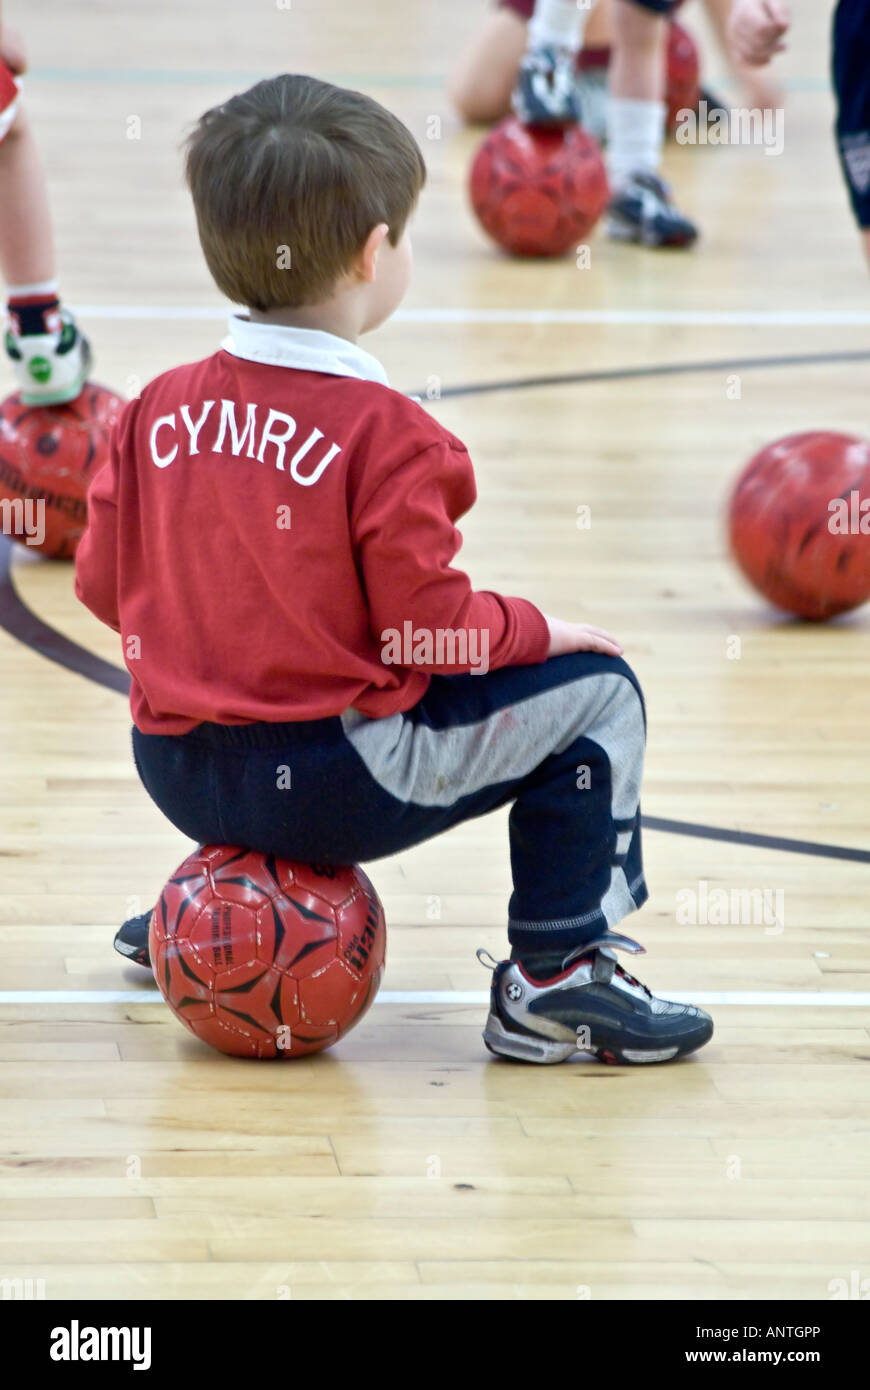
12 50
579 637
756 28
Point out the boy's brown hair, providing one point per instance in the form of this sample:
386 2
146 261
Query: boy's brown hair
297 164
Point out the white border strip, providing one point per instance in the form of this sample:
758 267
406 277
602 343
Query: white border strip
757 998
690 318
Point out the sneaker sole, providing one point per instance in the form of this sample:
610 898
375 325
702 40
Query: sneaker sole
630 235
544 1051
59 398
69 393
523 1048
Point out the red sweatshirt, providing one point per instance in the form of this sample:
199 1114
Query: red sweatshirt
272 536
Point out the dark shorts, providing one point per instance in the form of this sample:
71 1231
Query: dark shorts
664 7
526 7
851 73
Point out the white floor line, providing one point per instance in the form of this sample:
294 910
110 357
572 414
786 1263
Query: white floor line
692 318
840 999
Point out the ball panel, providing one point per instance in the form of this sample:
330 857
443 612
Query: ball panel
224 937
329 884
331 994
301 933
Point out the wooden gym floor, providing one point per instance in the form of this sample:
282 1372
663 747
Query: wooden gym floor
408 1164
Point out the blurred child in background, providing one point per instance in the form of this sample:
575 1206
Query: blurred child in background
50 356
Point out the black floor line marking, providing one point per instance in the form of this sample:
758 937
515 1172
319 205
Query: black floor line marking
19 622
755 841
727 364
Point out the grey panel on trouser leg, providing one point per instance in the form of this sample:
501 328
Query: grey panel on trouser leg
624 738
435 767
618 901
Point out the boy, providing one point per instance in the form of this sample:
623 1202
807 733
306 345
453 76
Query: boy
273 537
50 357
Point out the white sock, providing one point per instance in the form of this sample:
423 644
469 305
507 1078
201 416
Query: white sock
39 287
558 24
635 136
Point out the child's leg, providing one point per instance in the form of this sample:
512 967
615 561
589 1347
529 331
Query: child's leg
546 91
851 72
481 85
26 242
50 357
487 72
641 209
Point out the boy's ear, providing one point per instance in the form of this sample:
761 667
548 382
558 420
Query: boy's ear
367 260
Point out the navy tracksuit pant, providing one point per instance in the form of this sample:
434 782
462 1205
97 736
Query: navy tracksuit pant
563 741
851 72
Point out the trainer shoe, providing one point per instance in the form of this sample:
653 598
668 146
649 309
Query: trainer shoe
642 211
51 366
132 940
546 89
592 1006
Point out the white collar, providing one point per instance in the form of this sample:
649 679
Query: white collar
306 349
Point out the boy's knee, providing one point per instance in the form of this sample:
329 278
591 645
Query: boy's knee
631 686
623 695
480 102
627 695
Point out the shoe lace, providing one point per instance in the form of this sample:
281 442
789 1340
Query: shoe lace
632 980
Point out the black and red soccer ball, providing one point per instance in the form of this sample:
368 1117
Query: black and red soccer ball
48 456
538 191
799 523
261 957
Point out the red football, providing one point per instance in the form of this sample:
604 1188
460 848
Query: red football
538 192
261 957
48 456
800 522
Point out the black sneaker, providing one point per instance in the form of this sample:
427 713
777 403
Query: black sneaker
592 1006
642 212
132 940
546 90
